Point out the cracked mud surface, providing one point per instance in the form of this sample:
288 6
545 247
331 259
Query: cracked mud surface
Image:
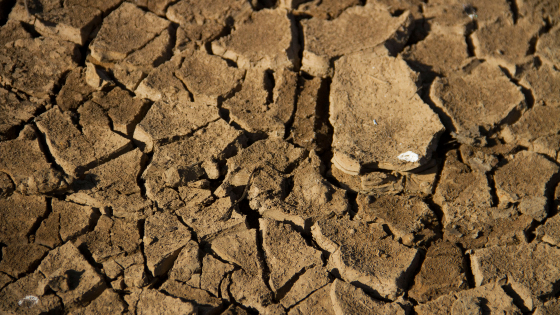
280 157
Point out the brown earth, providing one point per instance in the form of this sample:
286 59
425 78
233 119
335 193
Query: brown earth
280 157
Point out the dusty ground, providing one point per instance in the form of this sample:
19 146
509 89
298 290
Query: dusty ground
298 157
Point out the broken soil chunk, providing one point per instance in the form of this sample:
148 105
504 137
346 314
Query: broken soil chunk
14 111
544 83
475 103
550 231
318 303
186 264
348 299
114 184
441 273
73 23
213 272
250 291
537 130
73 150
21 297
310 281
287 253
181 162
153 302
504 44
162 83
489 298
140 27
75 90
12 31
204 301
164 238
36 66
539 10
408 218
532 270
124 110
456 17
370 134
110 238
208 77
527 179
324 9
240 248
69 275
268 39
438 53
205 21
19 214
212 220
364 255
548 47
256 111
24 161
356 29
109 302
18 259
166 120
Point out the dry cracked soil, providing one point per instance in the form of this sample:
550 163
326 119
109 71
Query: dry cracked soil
280 157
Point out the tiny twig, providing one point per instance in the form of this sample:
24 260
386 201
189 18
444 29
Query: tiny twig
227 215
26 9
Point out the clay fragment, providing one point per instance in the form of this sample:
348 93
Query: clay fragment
182 162
18 259
548 47
491 298
522 267
477 102
437 53
124 110
309 282
24 161
369 134
250 291
537 10
527 179
275 46
205 302
348 299
164 237
319 302
140 27
208 77
287 253
240 248
166 120
544 83
206 21
109 302
19 214
36 66
161 82
114 184
154 302
360 251
69 275
75 150
549 232
364 28
450 276
456 17
73 23
11 31
187 263
256 111
110 238
21 297
14 112
409 218
75 90
325 9
502 43
537 130
213 273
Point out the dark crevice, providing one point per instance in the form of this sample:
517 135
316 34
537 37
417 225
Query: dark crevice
289 124
467 266
517 299
470 46
514 10
527 93
288 285
412 276
40 219
148 157
261 254
492 186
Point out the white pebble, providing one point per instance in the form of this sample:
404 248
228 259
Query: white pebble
29 301
408 156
